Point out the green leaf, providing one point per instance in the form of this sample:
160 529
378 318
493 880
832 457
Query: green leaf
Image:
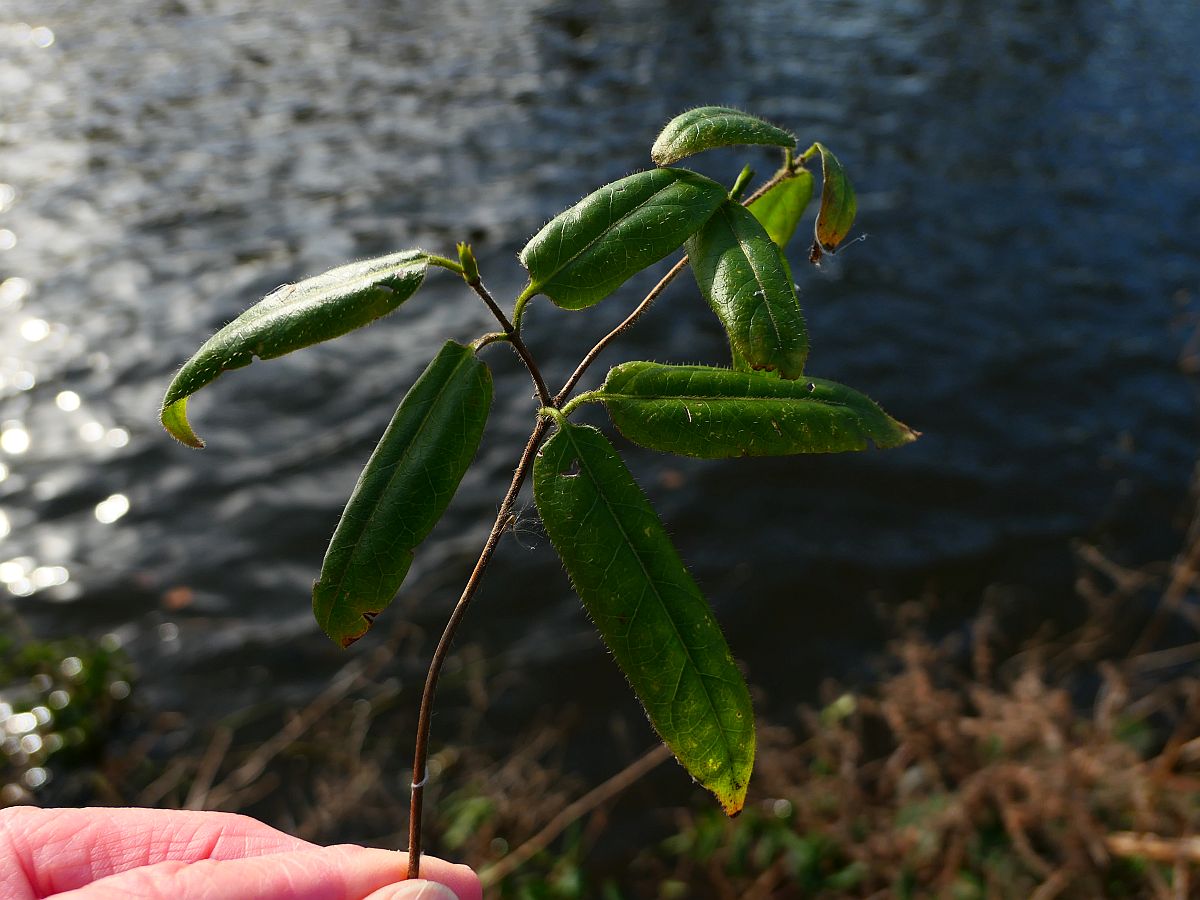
647 608
591 249
780 209
714 126
741 274
712 413
291 317
403 491
838 204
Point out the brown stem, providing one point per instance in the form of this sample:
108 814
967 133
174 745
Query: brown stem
778 178
503 517
515 339
562 395
421 753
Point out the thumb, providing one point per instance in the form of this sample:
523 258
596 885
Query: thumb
417 889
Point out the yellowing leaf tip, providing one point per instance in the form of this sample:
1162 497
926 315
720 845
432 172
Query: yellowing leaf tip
732 802
174 419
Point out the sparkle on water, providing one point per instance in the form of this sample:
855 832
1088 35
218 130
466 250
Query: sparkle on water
67 401
34 330
22 34
13 291
14 439
91 431
111 509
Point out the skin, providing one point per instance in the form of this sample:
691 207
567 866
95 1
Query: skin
146 854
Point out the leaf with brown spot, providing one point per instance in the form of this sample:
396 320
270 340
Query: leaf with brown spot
402 492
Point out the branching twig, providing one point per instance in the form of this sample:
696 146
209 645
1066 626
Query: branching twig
494 874
562 395
350 676
514 337
210 764
1151 846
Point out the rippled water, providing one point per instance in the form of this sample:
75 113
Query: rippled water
1029 176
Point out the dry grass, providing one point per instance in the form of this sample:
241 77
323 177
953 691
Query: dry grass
973 767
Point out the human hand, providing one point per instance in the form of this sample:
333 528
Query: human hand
116 854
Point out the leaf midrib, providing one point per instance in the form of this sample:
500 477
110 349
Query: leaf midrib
583 465
765 303
229 338
539 286
317 293
656 398
398 469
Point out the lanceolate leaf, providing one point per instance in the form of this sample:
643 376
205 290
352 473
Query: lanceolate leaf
403 491
712 413
741 274
295 316
780 209
648 609
591 249
838 204
714 126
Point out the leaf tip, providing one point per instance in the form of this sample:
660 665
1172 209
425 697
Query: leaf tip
174 420
348 637
733 797
342 629
902 435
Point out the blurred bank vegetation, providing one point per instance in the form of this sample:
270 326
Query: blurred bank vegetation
977 764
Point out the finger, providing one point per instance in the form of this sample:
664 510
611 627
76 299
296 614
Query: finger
46 851
418 889
461 880
345 872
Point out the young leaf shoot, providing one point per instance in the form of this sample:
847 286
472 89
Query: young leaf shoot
708 127
741 273
632 581
585 253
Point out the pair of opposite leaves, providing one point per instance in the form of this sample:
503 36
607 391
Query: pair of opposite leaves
646 606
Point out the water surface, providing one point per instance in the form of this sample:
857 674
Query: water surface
1029 177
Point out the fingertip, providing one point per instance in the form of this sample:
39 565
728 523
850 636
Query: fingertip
460 879
451 881
418 889
463 881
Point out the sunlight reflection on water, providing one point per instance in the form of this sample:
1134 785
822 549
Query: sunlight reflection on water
166 166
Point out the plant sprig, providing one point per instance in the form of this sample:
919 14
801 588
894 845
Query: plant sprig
647 607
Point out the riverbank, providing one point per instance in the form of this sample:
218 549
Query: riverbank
976 764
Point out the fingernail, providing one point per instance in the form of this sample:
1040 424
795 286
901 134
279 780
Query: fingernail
416 890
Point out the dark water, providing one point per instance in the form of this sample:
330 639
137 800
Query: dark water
1029 176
